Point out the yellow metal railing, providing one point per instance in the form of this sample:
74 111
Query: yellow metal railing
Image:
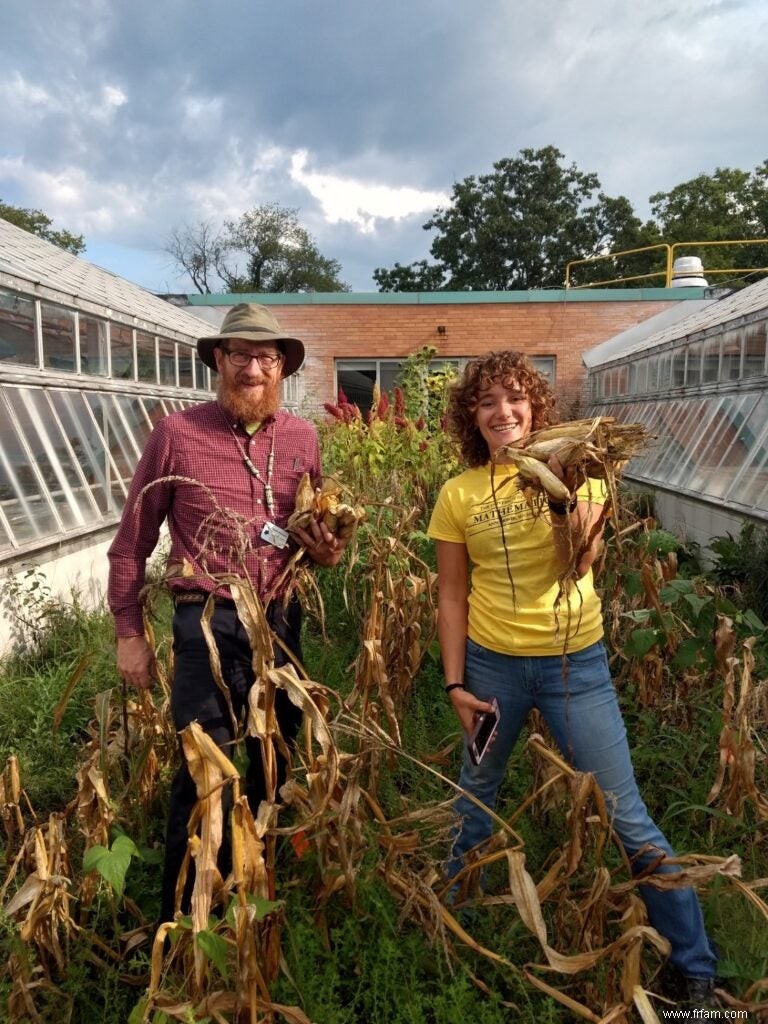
670 258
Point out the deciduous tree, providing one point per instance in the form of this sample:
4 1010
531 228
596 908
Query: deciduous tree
197 250
518 227
39 223
728 204
266 250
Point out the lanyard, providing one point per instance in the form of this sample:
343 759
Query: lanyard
253 469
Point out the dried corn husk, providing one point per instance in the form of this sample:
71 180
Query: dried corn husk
325 505
600 447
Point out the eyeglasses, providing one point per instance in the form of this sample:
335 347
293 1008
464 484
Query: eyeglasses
241 358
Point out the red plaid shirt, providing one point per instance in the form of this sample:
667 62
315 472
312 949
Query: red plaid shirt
197 445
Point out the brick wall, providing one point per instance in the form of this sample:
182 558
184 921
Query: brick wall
382 330
559 329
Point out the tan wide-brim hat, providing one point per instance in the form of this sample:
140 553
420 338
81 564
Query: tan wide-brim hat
252 322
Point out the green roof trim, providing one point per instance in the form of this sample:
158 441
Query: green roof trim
451 298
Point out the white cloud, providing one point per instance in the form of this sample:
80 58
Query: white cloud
20 97
16 93
75 198
359 202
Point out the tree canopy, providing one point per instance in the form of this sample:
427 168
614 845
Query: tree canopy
518 227
39 223
726 205
266 250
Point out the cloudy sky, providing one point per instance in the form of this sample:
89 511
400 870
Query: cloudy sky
124 118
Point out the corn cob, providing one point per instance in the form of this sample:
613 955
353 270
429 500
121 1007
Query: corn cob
536 471
581 429
324 506
598 446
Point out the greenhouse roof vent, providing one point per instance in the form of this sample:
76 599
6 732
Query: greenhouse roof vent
688 272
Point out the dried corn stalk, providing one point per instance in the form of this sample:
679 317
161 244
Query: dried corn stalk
736 783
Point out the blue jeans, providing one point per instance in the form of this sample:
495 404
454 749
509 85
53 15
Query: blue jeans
584 717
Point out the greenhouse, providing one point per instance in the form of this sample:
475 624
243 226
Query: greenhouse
698 383
88 363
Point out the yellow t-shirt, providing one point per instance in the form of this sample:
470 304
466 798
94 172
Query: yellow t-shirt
519 619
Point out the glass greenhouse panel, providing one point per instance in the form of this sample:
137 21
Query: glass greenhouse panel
137 421
713 446
710 361
185 366
671 448
6 543
26 506
642 376
86 442
749 487
167 356
733 445
154 409
58 337
119 443
687 430
17 330
53 457
146 362
730 361
693 364
121 348
754 364
201 373
677 373
93 346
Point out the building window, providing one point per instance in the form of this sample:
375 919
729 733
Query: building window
17 330
58 338
290 394
356 378
185 367
546 365
121 351
145 357
730 363
167 355
754 350
93 346
710 371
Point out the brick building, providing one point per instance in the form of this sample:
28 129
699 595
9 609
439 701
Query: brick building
355 340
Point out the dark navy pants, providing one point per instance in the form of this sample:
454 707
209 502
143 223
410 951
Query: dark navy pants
195 696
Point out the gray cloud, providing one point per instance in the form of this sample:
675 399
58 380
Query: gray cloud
121 120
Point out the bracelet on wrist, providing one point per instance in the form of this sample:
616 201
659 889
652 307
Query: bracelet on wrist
560 508
454 686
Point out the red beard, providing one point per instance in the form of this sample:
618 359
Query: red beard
248 408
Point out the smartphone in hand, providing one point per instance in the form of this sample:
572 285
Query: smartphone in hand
483 732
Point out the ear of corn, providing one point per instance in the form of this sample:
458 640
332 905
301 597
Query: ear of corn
324 505
600 447
534 470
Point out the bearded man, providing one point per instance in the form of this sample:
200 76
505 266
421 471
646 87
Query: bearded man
224 476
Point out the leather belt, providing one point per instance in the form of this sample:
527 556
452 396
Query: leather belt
199 597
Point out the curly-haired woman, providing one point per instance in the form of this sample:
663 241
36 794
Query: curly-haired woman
507 625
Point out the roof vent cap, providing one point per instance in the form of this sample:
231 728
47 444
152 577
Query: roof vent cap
688 272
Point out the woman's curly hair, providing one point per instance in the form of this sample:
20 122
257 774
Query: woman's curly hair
505 367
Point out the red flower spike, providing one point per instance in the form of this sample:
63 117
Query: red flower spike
333 410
